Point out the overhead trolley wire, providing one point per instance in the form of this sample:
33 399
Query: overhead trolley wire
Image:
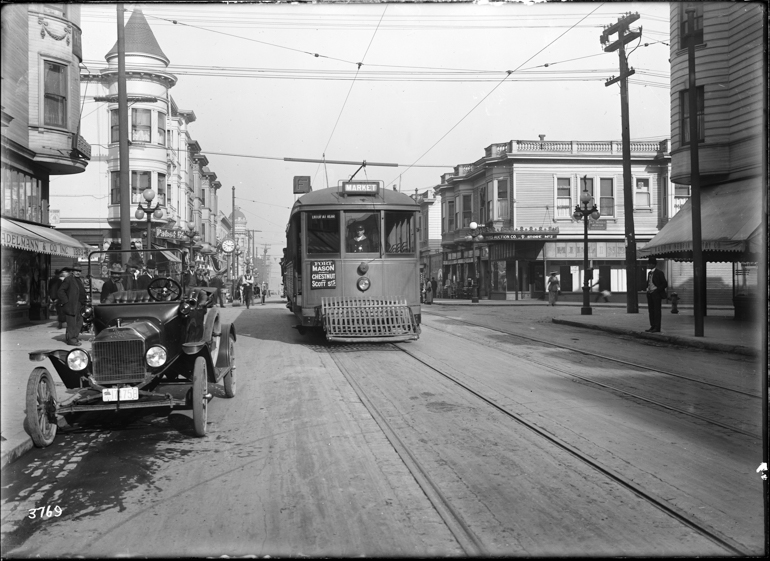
490 93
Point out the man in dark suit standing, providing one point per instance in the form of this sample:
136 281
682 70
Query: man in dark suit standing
147 275
656 292
114 283
217 282
72 296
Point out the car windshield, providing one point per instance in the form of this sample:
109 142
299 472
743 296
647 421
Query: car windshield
112 272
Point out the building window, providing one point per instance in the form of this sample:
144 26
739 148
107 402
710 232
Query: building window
162 189
450 216
161 128
606 197
115 187
21 195
563 197
587 184
683 19
503 212
681 196
140 180
55 105
114 126
684 111
483 216
642 193
467 210
140 125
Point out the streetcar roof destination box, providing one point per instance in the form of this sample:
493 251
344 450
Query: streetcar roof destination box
361 188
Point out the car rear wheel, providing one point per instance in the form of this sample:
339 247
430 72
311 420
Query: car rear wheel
199 396
41 407
229 380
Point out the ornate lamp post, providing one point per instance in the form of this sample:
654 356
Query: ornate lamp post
582 211
151 211
475 237
193 236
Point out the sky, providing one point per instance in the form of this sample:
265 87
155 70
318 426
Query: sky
424 86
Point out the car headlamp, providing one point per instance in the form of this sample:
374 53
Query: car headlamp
156 356
363 284
77 360
87 313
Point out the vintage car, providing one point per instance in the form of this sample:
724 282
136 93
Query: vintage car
146 341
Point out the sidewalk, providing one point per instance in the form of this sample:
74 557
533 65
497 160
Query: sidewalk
720 331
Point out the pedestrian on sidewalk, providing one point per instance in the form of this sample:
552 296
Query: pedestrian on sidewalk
656 292
219 284
72 295
263 292
553 289
434 286
53 293
114 283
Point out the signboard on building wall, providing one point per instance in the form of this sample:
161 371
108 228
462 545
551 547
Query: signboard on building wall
574 250
323 274
169 234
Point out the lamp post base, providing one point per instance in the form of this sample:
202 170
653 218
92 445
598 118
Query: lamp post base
586 311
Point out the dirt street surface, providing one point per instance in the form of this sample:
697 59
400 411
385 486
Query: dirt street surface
469 441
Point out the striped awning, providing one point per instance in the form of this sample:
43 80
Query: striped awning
40 239
731 215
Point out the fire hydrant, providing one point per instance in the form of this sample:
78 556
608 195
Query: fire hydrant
674 299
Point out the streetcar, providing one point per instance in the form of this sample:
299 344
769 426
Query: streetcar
351 263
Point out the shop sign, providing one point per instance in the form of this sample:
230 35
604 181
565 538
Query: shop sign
597 225
169 234
36 245
530 233
323 274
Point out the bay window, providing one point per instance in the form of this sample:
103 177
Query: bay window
55 94
140 125
140 180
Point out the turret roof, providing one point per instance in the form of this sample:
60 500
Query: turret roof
139 38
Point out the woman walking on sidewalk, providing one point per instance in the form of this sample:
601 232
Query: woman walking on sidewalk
553 289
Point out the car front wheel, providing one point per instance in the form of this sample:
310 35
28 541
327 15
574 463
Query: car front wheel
200 396
41 407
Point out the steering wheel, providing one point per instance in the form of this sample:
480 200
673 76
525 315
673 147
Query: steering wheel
164 290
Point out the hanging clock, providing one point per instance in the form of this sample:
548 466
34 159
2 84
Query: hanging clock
228 245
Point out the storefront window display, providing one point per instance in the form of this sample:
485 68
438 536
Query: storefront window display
24 279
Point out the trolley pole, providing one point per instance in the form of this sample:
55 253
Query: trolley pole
698 266
621 27
123 175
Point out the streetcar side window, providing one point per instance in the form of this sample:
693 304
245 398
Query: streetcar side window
323 232
399 232
362 232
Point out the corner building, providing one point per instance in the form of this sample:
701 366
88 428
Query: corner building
522 194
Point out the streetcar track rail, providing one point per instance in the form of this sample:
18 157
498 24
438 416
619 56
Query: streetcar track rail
591 354
699 527
571 374
470 543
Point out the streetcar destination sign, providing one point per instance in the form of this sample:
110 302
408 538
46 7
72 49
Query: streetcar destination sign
361 187
323 274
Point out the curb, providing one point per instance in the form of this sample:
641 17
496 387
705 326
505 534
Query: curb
708 345
13 454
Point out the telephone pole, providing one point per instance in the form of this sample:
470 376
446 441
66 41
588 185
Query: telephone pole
123 175
625 36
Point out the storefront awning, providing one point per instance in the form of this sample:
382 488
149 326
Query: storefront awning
40 239
170 255
731 215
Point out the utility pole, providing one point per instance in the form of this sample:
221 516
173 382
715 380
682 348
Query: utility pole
265 264
621 27
232 234
123 175
698 266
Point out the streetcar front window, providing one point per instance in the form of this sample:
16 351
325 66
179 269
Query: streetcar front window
399 232
323 232
362 231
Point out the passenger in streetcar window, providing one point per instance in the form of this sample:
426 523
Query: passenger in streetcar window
360 243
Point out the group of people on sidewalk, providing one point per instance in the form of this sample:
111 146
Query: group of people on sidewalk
655 290
431 286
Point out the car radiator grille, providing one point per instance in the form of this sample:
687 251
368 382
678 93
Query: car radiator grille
120 360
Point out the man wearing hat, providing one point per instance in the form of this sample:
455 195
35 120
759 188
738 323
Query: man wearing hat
114 283
553 288
656 292
147 275
72 297
132 282
53 294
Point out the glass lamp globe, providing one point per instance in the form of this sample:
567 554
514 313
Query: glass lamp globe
158 214
473 225
139 214
148 195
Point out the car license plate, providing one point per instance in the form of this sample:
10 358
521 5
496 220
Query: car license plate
124 394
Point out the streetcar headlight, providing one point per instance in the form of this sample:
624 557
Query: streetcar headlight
77 360
363 284
156 356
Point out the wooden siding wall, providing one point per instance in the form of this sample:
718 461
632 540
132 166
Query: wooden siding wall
534 192
15 94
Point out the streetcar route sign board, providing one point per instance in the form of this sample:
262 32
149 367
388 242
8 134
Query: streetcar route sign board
361 187
323 274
